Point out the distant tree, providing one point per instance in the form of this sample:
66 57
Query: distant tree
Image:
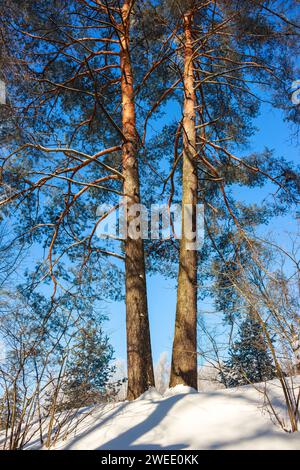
209 377
250 360
162 373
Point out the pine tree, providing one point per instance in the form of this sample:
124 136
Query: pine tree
216 51
83 94
250 360
89 369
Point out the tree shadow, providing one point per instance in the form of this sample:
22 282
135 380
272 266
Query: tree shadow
126 439
257 439
90 429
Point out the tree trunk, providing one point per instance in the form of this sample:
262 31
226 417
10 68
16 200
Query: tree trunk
139 357
184 354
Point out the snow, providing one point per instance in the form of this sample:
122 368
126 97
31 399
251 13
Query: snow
179 389
185 419
151 394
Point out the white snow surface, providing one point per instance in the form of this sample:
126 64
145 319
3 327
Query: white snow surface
184 419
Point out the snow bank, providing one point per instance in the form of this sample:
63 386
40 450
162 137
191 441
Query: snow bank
185 419
151 394
179 390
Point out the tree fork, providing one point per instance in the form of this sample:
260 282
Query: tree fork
184 354
139 356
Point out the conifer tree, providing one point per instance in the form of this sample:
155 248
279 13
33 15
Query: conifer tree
249 360
233 49
88 369
83 77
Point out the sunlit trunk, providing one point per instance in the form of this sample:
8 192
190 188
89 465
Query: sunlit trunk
184 354
139 357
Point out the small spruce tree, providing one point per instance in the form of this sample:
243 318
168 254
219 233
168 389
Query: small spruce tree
249 358
89 370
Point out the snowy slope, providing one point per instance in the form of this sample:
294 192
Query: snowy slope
184 419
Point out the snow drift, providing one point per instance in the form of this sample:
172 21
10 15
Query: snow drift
183 419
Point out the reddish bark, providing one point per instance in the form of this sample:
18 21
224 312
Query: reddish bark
184 354
139 357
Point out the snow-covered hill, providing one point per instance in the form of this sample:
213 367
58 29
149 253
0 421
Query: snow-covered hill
184 419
